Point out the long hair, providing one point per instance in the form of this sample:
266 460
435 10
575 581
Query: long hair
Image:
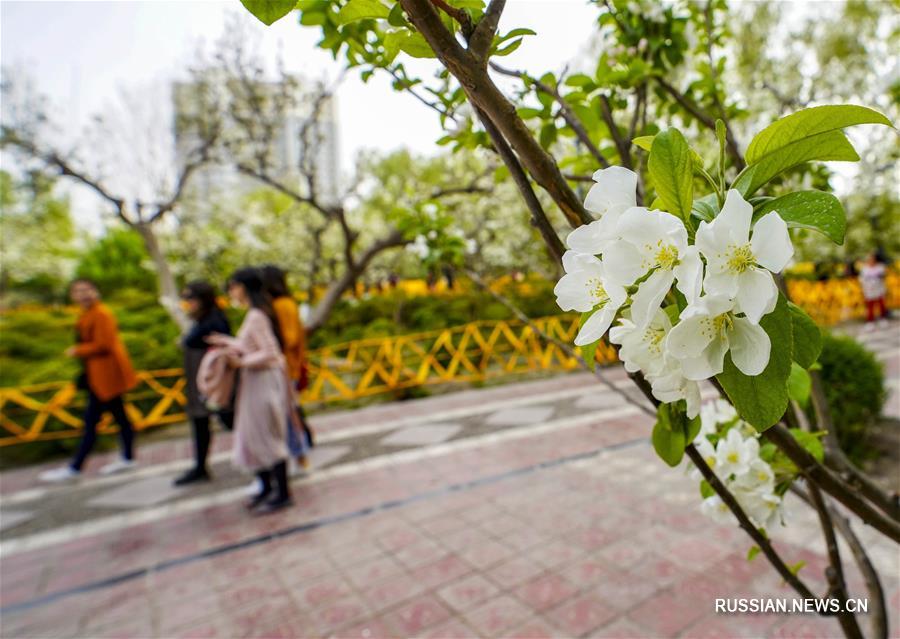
251 279
205 294
275 281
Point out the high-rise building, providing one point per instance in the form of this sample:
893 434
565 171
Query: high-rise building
285 150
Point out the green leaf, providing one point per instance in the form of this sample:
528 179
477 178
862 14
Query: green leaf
807 337
672 171
527 113
579 80
812 442
268 11
752 552
706 490
547 135
692 428
761 400
814 210
668 442
512 46
362 10
706 208
831 145
396 17
589 354
415 45
646 142
799 384
515 33
795 568
807 123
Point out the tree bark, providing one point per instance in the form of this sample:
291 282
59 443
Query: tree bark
168 289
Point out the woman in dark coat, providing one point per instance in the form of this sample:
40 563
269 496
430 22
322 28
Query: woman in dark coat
200 300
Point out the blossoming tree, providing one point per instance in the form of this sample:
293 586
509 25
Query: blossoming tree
677 265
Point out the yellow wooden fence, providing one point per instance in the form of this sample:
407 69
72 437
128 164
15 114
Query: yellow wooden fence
472 352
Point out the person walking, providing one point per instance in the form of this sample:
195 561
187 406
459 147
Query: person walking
107 374
871 279
203 308
294 347
263 404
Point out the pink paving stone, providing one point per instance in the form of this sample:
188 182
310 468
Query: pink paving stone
749 626
368 629
807 627
581 615
440 572
534 629
422 552
453 629
302 573
413 617
365 574
592 538
495 617
337 614
586 572
621 628
487 553
398 538
467 593
392 591
443 524
464 538
243 592
545 591
500 525
737 569
623 589
697 553
555 553
623 554
190 611
658 570
247 620
321 591
515 571
667 614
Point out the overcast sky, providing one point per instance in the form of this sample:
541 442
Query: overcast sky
82 53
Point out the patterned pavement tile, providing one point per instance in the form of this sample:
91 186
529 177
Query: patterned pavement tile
426 435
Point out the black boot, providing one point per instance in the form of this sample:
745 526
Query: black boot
265 477
193 475
282 497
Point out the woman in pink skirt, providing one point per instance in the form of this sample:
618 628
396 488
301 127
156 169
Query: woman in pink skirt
262 406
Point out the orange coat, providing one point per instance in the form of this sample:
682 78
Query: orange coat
109 371
292 334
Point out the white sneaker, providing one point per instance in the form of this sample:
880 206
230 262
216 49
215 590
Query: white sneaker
254 487
60 475
118 466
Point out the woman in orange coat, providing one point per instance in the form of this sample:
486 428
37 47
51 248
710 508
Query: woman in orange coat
106 377
294 347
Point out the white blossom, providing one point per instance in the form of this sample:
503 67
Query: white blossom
713 414
716 509
738 264
708 329
614 192
734 454
654 243
586 288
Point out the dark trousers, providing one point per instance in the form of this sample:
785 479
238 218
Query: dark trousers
875 309
92 414
203 435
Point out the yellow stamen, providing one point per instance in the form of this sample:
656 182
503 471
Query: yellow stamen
667 257
741 259
596 291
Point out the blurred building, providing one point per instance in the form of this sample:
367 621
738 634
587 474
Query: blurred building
284 153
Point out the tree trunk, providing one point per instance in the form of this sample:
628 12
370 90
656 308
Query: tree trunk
168 289
323 309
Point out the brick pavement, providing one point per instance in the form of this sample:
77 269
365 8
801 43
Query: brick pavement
567 527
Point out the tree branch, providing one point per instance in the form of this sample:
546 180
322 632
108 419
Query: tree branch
483 36
566 111
831 484
623 146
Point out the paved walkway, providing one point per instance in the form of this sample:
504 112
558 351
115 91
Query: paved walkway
529 510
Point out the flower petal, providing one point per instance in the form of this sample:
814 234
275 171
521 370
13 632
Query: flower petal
735 217
595 326
710 363
757 294
686 339
689 274
750 347
587 239
615 185
624 263
649 297
574 261
572 292
771 243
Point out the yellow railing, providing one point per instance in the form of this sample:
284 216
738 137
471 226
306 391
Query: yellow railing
469 353
472 352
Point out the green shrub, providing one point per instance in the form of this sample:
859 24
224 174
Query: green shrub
854 386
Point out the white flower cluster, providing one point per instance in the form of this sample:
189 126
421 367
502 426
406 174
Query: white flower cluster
419 247
736 462
624 265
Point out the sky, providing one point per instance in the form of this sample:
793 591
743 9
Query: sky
82 54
